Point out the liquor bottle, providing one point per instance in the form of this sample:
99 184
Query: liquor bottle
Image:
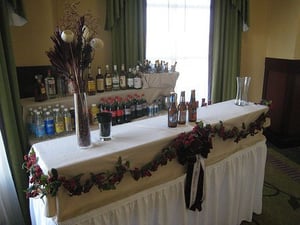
130 79
192 107
67 120
39 89
100 81
123 78
50 85
172 111
182 109
137 80
108 79
49 124
91 84
115 79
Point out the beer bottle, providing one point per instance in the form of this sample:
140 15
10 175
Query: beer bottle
192 107
172 111
182 109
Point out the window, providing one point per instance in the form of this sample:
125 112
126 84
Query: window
178 30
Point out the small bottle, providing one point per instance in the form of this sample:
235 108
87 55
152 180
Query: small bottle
137 80
192 107
50 85
100 81
49 124
182 109
130 79
67 120
58 121
172 111
123 78
91 84
115 79
94 110
72 112
39 125
108 79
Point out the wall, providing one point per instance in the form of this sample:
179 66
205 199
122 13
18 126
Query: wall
274 32
32 40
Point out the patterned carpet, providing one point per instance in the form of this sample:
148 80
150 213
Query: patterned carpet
281 195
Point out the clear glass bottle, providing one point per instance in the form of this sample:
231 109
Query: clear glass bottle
115 79
137 80
172 111
123 78
67 120
39 125
130 81
100 81
108 79
50 85
182 110
192 107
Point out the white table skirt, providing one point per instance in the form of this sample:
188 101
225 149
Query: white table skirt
233 191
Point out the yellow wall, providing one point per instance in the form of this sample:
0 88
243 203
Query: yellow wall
32 40
274 32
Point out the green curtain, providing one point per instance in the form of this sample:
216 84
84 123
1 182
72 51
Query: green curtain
228 20
126 19
14 134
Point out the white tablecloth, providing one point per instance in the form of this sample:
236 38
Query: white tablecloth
139 142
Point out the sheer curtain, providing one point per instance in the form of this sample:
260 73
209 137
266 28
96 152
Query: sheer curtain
178 30
10 212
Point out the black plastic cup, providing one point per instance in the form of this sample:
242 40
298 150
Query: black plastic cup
105 123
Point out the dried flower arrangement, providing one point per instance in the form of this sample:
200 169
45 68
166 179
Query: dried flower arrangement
75 42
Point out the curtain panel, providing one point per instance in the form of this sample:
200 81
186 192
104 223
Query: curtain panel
229 18
126 19
13 130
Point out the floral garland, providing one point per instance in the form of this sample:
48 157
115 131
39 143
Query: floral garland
185 146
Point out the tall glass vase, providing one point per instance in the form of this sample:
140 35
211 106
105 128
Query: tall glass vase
82 125
242 90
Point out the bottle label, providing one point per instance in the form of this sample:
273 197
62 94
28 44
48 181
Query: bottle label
100 85
137 82
130 83
59 127
91 86
173 118
123 82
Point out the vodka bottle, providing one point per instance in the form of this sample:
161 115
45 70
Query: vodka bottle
123 78
115 79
